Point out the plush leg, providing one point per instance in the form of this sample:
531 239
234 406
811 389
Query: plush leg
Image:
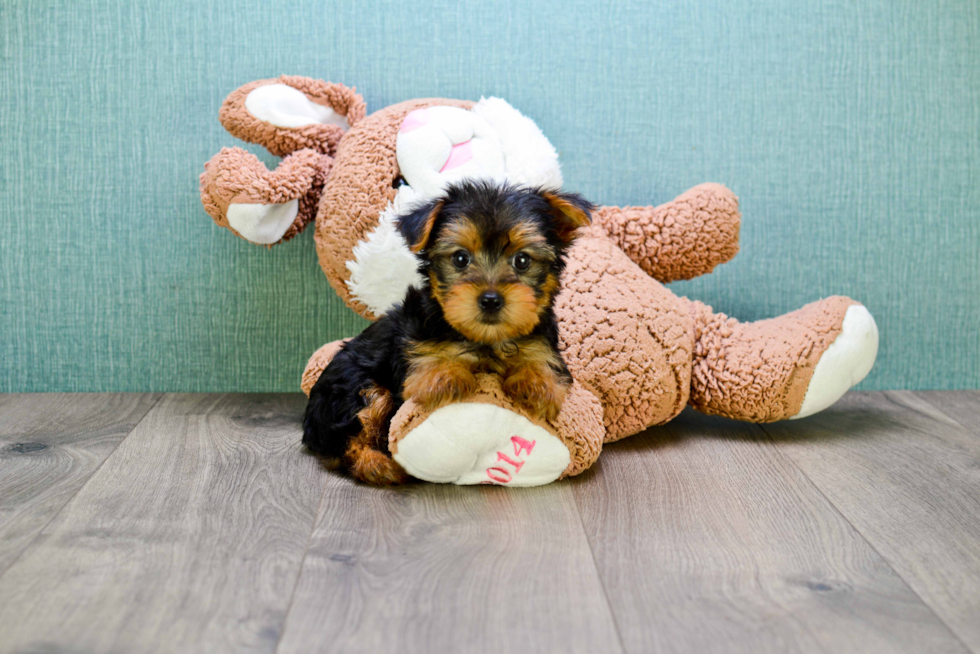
681 239
786 367
290 113
262 206
487 439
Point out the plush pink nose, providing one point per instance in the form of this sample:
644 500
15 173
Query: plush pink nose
414 120
459 155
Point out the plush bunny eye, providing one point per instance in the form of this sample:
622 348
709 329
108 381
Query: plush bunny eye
461 259
522 261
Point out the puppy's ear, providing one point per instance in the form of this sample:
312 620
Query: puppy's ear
417 225
571 211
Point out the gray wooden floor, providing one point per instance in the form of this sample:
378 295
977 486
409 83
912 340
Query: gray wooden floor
196 523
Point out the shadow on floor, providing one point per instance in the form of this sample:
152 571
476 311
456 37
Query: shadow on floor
844 421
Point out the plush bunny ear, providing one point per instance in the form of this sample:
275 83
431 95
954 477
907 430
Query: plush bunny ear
291 112
417 226
571 211
285 106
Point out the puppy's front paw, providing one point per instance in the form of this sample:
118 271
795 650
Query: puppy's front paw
539 391
437 385
373 467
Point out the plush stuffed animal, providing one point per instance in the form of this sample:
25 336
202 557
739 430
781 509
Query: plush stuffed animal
637 352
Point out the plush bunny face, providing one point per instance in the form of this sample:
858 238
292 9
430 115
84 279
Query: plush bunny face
404 155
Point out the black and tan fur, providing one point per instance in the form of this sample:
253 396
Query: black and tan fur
491 257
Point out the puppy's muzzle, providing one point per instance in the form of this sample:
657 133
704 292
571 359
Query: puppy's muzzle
490 302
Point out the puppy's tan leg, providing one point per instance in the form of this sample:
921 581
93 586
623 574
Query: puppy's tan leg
532 380
366 457
537 389
433 385
439 373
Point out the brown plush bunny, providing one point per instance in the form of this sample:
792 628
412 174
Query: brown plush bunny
637 352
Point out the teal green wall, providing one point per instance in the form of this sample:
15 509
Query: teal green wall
850 130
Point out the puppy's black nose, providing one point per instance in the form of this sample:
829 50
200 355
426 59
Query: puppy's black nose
490 301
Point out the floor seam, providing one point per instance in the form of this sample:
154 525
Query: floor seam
302 565
919 394
874 549
84 484
598 575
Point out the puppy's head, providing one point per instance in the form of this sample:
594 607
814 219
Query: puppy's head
492 254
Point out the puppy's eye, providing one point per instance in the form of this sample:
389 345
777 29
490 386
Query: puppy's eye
461 259
398 182
522 261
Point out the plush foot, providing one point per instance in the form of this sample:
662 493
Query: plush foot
789 366
844 364
475 443
263 206
490 440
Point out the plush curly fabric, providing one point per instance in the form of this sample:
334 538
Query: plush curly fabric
623 336
318 362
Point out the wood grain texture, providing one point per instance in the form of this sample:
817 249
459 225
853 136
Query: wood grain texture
962 406
907 476
429 568
189 538
707 539
49 446
208 528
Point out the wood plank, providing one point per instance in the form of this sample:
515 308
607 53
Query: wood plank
432 568
189 538
708 539
907 476
962 406
50 444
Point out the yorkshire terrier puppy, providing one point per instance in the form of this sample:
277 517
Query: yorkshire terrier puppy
490 258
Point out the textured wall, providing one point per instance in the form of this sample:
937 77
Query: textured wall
850 130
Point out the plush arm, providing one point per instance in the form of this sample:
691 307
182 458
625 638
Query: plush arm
681 239
262 206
